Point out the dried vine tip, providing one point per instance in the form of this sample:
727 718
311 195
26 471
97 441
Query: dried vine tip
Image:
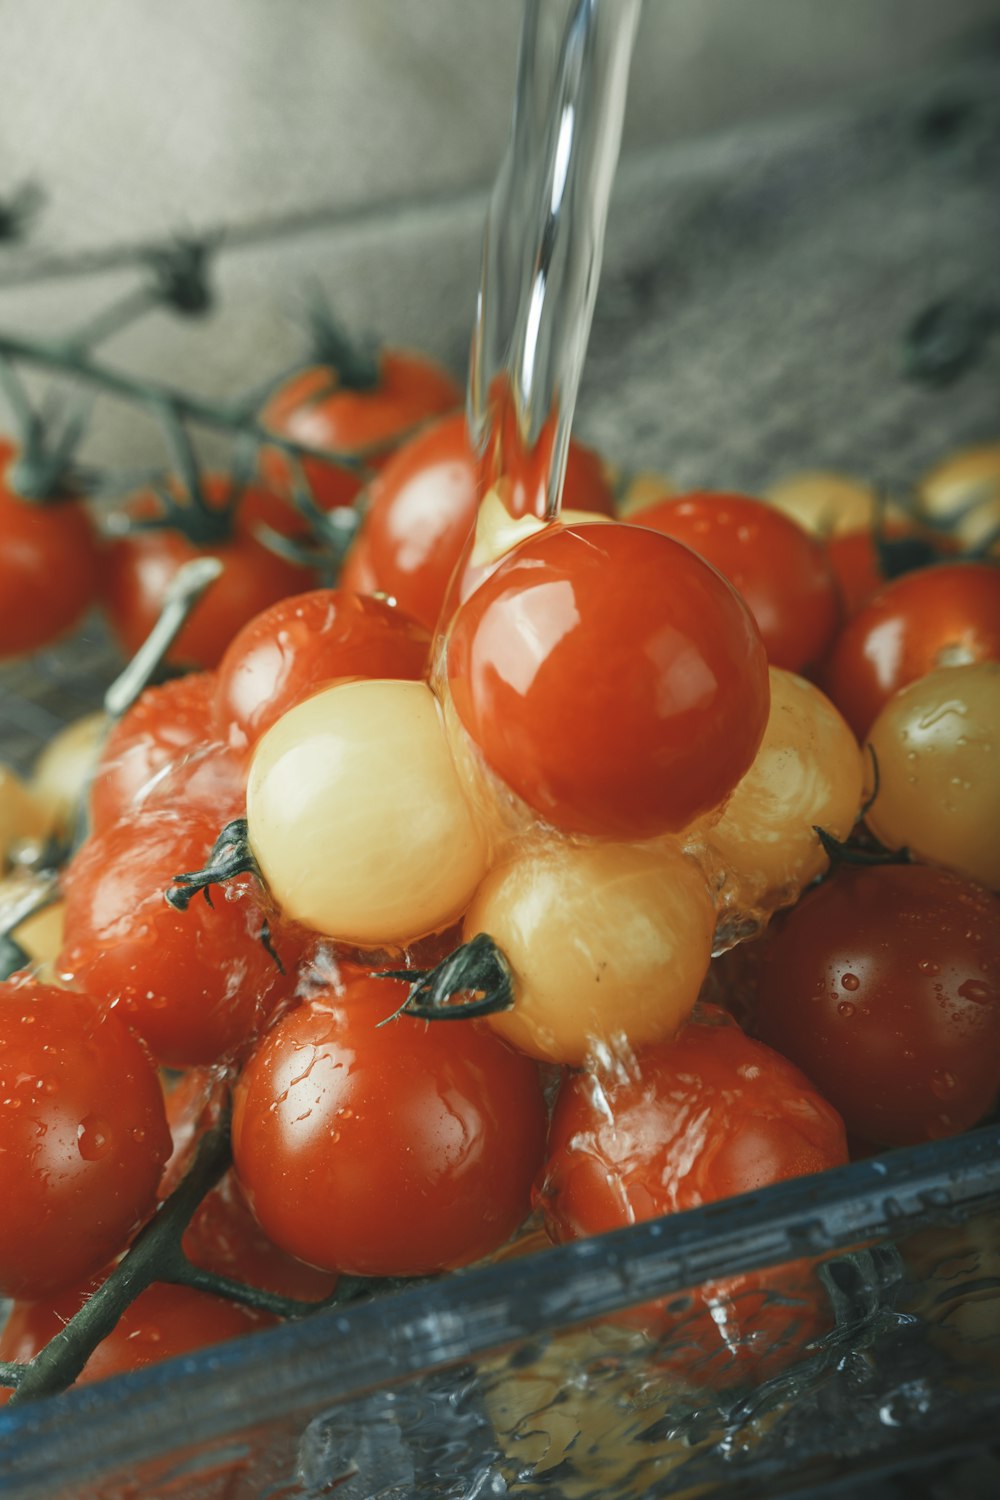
19 209
231 855
356 362
475 980
853 852
947 338
12 957
181 274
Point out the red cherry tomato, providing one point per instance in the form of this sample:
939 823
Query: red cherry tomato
358 575
854 558
163 1322
777 567
611 678
139 567
316 408
49 566
223 1235
944 616
196 984
707 1116
393 1150
166 744
883 985
83 1137
423 507
307 642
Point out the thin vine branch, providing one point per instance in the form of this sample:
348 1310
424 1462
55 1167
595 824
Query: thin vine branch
232 417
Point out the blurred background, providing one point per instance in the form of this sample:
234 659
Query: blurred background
798 180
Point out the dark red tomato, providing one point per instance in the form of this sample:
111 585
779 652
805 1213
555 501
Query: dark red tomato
50 566
167 728
944 616
423 507
139 567
196 985
611 678
854 558
707 1116
307 642
393 1150
223 1235
163 1322
778 568
316 408
883 985
83 1137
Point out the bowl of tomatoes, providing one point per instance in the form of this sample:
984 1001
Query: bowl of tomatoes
555 1049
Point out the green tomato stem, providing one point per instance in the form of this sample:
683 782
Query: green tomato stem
61 355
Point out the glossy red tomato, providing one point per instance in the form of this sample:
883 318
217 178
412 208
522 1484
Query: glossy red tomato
83 1137
196 985
855 559
358 574
307 642
393 1150
223 1235
611 678
777 567
423 507
164 1321
944 616
139 567
49 566
883 985
707 1116
167 745
317 408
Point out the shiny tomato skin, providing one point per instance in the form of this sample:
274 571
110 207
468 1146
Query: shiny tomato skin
777 567
312 407
611 678
708 1115
308 642
945 615
139 567
357 574
423 507
195 985
883 985
50 566
83 1137
168 726
704 1117
163 1322
393 1150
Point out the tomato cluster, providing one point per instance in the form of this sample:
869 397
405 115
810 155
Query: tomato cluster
56 563
606 749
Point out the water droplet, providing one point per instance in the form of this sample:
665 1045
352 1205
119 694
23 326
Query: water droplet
93 1138
943 1083
929 967
909 1055
978 991
851 982
845 1009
